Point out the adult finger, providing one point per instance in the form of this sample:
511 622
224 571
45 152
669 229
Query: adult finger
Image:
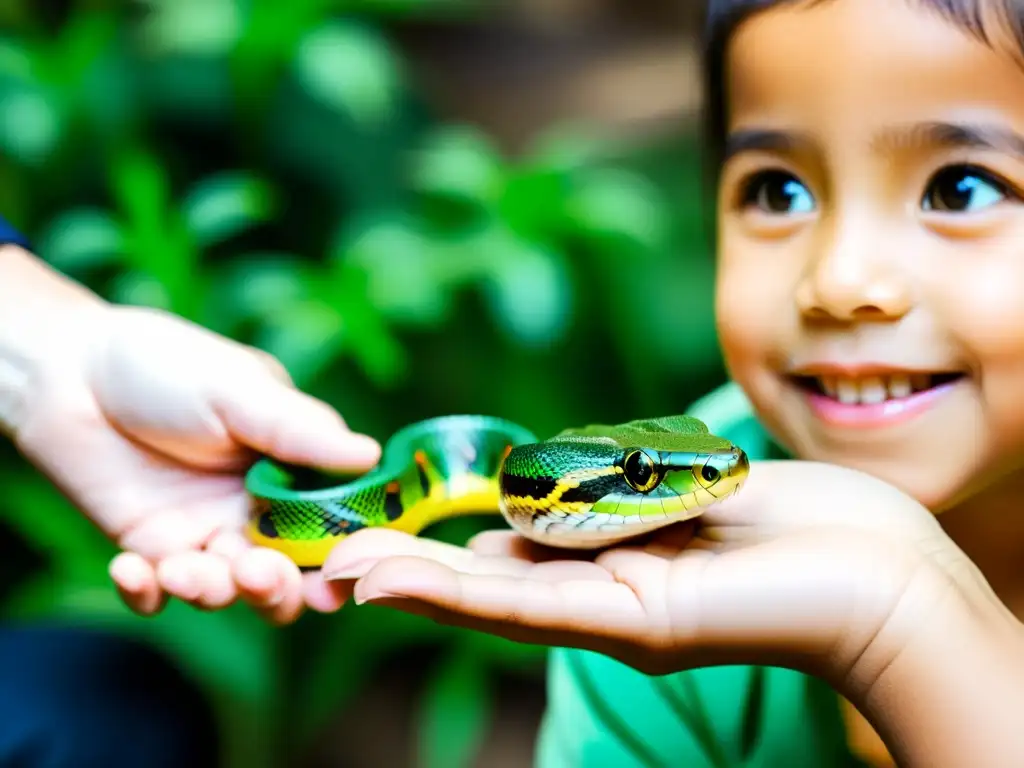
325 596
278 420
201 579
271 583
163 533
136 582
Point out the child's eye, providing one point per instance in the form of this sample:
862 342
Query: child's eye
963 188
777 192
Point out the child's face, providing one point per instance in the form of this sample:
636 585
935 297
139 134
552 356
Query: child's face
872 238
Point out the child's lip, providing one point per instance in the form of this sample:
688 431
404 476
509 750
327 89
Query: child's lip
864 369
876 415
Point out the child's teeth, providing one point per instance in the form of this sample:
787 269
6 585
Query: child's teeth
848 391
872 390
899 386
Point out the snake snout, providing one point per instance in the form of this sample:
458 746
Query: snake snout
723 472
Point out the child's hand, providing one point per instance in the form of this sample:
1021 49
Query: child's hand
149 429
811 566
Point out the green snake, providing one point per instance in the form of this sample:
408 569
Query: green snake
581 489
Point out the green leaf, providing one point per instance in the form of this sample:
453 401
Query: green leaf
141 190
612 206
83 41
565 150
305 336
192 27
222 206
455 713
30 124
349 68
397 263
459 164
256 286
51 525
15 61
81 239
141 290
530 292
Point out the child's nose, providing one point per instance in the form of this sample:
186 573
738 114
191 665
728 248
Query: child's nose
854 280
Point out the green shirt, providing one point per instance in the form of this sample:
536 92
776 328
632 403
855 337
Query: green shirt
604 714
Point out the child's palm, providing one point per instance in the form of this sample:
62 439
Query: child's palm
803 567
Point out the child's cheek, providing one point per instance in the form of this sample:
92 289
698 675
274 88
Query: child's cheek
754 313
982 305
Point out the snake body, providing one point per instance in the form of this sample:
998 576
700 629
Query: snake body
581 489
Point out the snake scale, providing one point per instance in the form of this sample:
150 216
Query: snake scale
583 488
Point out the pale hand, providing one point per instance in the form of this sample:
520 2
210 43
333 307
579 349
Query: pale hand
811 566
148 426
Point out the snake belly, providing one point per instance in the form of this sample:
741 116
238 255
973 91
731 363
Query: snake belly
583 488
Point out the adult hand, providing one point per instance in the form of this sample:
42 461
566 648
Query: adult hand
148 423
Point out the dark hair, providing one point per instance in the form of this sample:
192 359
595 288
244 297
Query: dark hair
722 17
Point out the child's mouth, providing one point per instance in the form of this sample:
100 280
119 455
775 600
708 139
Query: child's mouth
871 390
874 399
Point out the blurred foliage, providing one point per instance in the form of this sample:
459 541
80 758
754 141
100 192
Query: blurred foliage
270 171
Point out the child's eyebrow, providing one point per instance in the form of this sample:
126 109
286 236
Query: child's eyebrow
943 135
763 140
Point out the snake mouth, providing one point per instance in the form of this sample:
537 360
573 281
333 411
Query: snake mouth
710 475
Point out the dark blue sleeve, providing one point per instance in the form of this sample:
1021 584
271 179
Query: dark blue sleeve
10 236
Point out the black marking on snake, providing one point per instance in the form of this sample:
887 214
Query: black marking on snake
533 487
335 524
421 473
266 526
393 505
594 490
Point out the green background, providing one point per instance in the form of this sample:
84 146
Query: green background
288 174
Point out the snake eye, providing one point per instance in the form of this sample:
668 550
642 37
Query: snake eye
709 473
639 471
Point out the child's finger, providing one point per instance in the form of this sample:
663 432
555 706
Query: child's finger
573 602
270 583
201 579
355 555
135 579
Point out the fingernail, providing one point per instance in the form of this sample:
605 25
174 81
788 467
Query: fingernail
373 594
276 597
129 582
353 570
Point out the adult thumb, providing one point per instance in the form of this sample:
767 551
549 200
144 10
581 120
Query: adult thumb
274 418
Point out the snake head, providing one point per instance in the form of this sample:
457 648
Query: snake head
717 473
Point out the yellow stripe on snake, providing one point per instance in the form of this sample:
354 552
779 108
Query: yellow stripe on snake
581 489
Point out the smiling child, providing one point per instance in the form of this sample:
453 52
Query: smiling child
869 167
